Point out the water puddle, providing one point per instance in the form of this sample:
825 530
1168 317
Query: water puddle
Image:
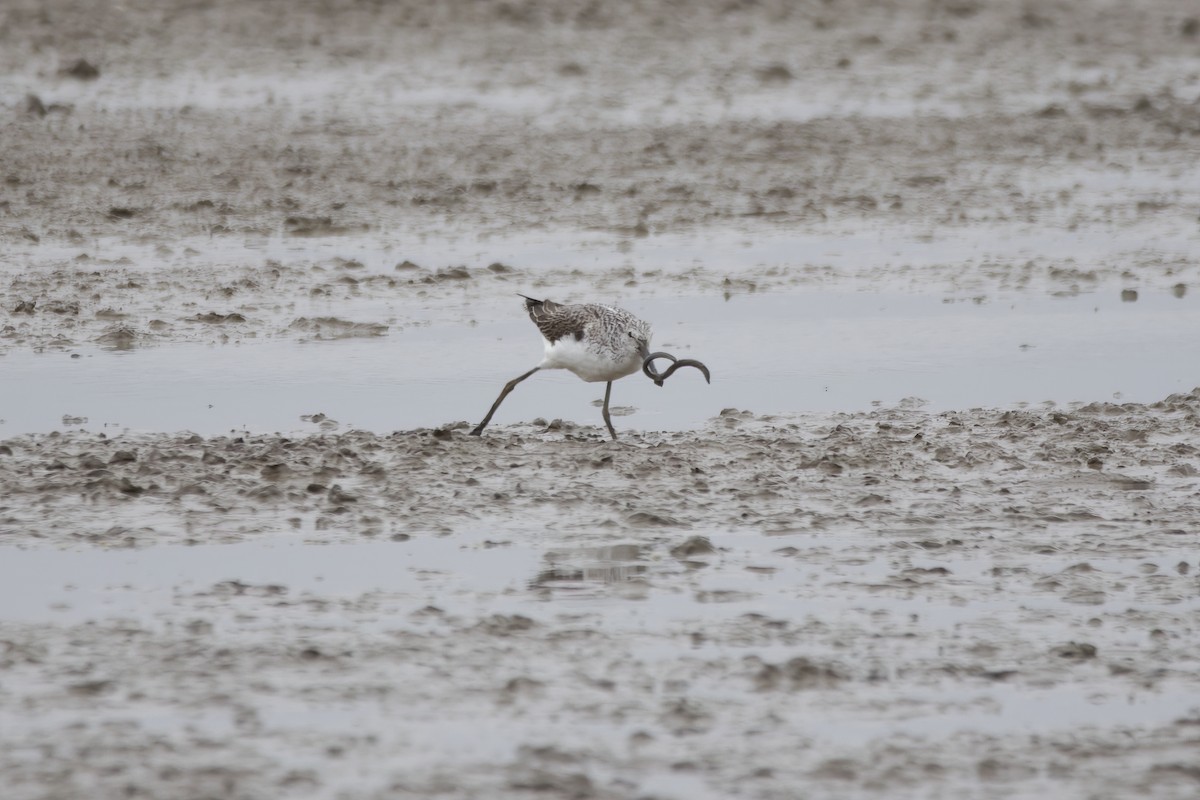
785 576
584 569
1002 710
770 353
880 250
82 585
647 596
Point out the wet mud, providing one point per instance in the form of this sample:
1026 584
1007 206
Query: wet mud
996 601
897 602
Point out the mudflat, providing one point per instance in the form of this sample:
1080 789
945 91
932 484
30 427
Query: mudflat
931 532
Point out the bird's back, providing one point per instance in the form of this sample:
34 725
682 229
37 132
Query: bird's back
557 321
588 339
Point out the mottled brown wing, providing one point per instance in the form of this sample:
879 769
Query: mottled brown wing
555 320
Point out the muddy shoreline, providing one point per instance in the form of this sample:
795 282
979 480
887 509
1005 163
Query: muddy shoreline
743 471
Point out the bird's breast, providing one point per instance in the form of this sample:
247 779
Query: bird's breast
590 363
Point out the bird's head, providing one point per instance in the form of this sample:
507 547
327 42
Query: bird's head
639 337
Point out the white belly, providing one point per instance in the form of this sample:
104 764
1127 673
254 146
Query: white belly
568 353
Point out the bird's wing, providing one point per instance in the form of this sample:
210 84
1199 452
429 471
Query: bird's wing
555 320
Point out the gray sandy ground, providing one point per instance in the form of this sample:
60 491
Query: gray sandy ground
839 578
980 603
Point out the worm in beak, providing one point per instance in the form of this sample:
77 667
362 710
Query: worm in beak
653 374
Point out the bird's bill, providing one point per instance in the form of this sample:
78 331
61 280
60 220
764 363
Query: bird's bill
651 371
648 364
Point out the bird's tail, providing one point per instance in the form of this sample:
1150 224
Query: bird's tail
540 309
530 303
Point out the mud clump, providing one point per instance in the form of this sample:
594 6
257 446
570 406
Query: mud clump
216 318
81 69
694 546
334 328
797 674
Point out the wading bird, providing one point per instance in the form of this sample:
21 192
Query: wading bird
597 343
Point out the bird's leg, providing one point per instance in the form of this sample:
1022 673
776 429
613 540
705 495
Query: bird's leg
508 387
607 419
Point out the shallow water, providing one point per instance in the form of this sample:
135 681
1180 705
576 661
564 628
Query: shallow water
145 584
889 252
810 351
622 590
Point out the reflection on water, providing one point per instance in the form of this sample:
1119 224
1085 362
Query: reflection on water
585 567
